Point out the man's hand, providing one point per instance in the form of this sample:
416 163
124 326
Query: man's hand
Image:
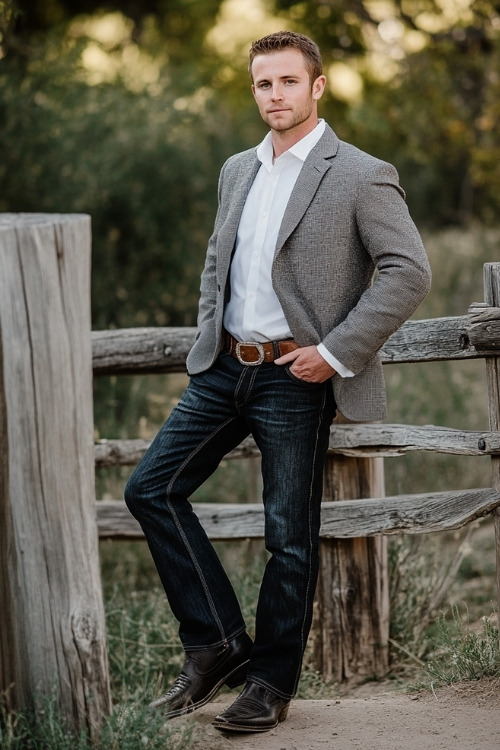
308 364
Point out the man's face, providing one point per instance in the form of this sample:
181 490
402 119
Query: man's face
282 89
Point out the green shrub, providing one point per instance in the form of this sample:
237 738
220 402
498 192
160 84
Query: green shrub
462 654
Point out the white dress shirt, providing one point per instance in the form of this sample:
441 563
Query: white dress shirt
253 312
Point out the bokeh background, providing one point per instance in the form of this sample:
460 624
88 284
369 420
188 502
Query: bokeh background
126 111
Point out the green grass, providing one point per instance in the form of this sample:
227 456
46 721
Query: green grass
461 654
131 726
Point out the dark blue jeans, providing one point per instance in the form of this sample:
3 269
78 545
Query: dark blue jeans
290 421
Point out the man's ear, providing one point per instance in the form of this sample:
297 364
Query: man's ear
318 87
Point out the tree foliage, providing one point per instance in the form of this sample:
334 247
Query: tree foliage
437 115
127 110
132 153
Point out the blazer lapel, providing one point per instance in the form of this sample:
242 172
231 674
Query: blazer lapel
315 166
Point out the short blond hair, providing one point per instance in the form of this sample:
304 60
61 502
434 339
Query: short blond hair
281 40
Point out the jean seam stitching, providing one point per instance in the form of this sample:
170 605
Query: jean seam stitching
184 538
253 375
198 569
321 417
238 386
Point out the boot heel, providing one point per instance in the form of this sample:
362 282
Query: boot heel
284 713
238 677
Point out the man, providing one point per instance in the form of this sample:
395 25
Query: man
290 323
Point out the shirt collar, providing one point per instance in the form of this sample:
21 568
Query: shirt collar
301 149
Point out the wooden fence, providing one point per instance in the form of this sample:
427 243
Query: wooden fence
51 614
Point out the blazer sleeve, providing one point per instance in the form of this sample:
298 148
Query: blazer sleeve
208 283
402 272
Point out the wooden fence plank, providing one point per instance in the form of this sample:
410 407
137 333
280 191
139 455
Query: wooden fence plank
344 519
130 452
350 632
357 440
394 439
52 628
142 350
492 297
483 328
429 341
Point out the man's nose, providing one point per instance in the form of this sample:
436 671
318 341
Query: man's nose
277 92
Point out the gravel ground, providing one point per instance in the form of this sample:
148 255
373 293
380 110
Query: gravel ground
465 716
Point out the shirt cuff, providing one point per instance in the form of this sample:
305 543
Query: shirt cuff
337 366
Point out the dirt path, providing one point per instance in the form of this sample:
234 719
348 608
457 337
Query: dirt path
466 716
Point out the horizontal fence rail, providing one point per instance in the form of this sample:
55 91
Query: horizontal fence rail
349 519
472 336
358 440
149 350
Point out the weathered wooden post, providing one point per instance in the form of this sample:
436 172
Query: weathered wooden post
350 635
52 629
492 298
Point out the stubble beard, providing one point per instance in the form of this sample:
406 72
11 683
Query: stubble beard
292 121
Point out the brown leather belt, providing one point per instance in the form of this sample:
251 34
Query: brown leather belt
254 352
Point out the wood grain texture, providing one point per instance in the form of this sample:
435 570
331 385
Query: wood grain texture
409 514
51 613
483 328
393 440
491 277
140 350
356 440
130 452
350 634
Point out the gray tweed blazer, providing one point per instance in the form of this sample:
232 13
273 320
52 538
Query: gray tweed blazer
346 219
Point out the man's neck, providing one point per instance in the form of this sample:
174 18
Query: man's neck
284 140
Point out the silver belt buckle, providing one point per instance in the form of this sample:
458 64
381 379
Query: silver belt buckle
255 344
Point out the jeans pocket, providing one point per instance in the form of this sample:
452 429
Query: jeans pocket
303 383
